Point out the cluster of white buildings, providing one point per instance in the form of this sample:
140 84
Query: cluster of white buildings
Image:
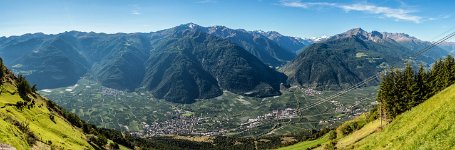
287 113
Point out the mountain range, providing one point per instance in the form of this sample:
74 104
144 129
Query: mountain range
189 62
179 64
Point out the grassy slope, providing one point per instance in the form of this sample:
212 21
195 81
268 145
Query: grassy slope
358 135
427 126
307 144
318 143
62 134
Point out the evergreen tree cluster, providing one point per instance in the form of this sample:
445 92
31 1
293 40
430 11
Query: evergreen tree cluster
24 88
400 90
2 70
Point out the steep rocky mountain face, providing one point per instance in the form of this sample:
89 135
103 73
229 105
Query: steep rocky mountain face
346 59
179 64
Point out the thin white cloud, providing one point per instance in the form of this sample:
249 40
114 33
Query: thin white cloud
387 12
135 12
299 4
294 4
205 1
439 18
394 13
135 9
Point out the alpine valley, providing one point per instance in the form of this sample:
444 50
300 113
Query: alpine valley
208 81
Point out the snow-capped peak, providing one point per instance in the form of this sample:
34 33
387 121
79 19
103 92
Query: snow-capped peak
318 39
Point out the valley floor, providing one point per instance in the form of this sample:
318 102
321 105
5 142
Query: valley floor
229 114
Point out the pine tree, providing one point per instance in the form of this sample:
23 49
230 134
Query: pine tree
382 98
401 91
436 80
449 62
2 69
409 95
422 85
386 94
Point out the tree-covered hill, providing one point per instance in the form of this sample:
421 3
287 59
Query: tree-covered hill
192 64
350 57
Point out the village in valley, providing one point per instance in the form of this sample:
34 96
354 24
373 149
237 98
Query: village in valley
231 114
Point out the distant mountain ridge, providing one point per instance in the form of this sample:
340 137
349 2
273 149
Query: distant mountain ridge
448 46
350 57
293 44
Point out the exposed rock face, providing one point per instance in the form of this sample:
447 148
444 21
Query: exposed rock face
6 147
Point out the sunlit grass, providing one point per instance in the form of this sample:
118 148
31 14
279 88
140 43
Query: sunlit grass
307 144
427 126
61 133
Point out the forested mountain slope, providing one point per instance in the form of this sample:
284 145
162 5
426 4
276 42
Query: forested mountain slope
350 57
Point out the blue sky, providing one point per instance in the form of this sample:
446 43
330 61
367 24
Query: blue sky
424 19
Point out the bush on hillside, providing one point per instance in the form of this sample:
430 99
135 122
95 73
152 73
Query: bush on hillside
351 126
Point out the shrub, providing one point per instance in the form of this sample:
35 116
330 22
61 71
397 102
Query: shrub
99 140
332 135
351 126
52 117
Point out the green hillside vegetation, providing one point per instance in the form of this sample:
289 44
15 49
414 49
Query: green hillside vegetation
308 144
27 122
360 126
414 119
427 126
